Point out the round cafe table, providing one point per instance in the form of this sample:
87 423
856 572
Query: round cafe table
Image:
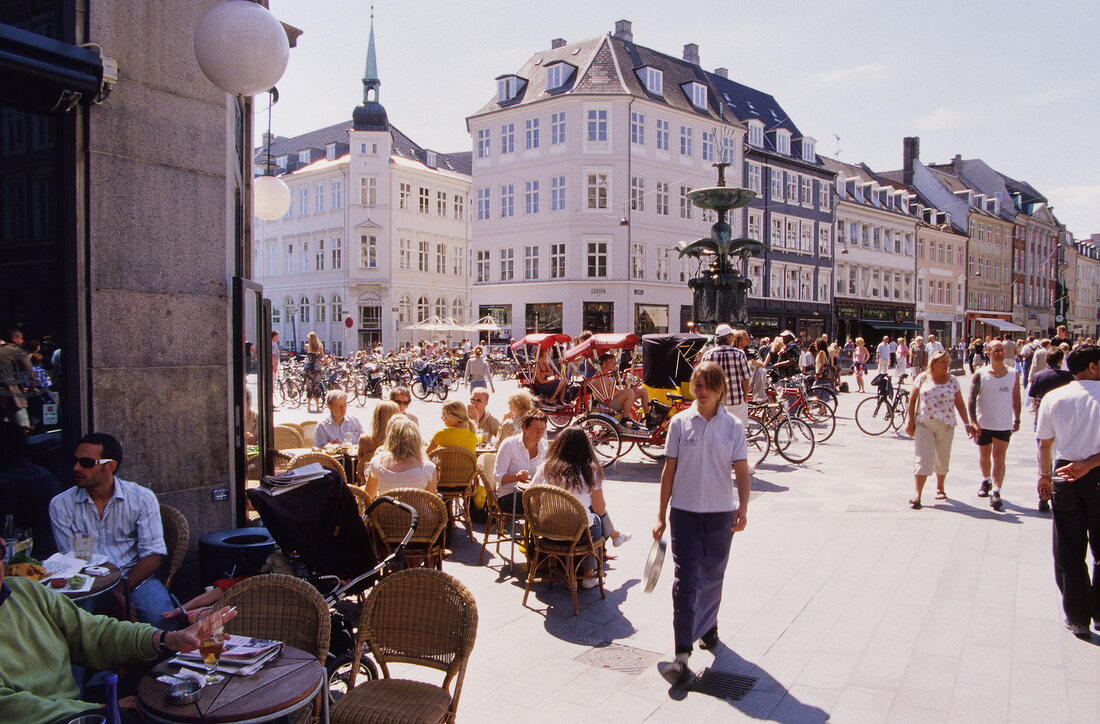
283 685
100 584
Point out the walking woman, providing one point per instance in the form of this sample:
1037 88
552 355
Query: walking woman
478 373
931 423
702 443
315 355
859 362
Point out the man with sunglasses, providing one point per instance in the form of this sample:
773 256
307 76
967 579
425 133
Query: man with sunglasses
487 425
123 519
402 398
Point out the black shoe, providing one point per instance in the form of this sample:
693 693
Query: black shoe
709 639
995 502
984 488
1044 506
676 672
1080 630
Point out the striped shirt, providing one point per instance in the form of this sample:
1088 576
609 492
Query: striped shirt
736 366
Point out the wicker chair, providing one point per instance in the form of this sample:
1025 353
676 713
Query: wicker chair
496 519
308 428
298 427
361 471
421 617
559 526
391 525
280 461
287 438
177 534
362 500
323 458
457 468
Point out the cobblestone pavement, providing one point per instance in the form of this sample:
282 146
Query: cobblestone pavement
843 603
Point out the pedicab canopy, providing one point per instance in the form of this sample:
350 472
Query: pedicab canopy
542 340
668 359
597 344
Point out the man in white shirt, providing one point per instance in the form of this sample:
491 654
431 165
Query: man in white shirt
339 427
932 346
1068 430
882 356
995 411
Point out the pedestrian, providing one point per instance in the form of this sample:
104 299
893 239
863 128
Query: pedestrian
995 411
933 346
1046 381
931 423
1039 362
918 356
1025 359
702 443
1068 430
893 353
903 356
859 362
477 371
882 356
735 365
315 389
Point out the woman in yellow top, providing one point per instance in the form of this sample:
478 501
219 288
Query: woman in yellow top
459 430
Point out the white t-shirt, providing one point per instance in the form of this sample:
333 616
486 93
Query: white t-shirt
994 406
933 348
390 479
704 451
882 351
1071 415
585 497
512 457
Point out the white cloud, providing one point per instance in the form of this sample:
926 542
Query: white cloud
941 118
867 70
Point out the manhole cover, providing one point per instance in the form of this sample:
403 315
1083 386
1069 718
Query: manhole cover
617 657
722 684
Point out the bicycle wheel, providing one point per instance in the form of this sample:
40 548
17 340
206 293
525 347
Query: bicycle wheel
820 418
873 416
294 392
653 450
605 438
442 389
359 388
901 410
825 394
419 391
759 444
794 440
278 395
560 417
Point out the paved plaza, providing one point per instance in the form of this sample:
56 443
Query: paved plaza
843 603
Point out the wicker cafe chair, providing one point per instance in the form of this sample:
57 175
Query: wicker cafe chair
559 526
280 461
177 534
362 500
421 617
495 518
361 472
323 458
308 428
457 468
288 438
391 525
297 426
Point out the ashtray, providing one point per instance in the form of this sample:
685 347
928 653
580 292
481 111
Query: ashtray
97 570
185 692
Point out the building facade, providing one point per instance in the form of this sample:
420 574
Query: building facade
1083 319
377 237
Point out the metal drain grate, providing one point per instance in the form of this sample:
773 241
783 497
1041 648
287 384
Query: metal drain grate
722 684
618 657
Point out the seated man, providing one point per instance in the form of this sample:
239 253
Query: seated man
43 634
403 398
123 518
338 427
487 425
619 398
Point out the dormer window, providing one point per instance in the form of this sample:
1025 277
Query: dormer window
303 156
430 156
508 87
330 151
783 142
281 162
756 134
696 93
809 152
555 75
653 80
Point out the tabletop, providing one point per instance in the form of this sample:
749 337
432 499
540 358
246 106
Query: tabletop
280 687
100 584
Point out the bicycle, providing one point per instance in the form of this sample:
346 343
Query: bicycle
887 409
792 437
430 380
816 413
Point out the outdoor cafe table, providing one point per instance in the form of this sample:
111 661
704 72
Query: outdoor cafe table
100 584
283 685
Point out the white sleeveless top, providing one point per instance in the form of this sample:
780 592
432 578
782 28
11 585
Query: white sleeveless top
390 479
994 406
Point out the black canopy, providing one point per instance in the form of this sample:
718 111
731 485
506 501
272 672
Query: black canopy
667 359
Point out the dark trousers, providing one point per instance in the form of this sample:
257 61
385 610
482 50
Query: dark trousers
1076 512
700 551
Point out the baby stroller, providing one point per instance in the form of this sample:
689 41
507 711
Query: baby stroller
316 524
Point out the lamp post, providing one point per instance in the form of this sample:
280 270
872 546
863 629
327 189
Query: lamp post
292 310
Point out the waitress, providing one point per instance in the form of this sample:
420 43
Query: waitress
702 442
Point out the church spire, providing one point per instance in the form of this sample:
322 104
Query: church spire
370 75
370 115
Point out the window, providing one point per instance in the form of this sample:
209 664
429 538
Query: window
808 153
303 201
920 248
368 251
662 198
597 259
425 201
708 146
877 239
319 308
637 128
783 142
507 264
687 134
959 291
557 261
752 177
368 190
823 233
337 200
728 154
276 314
530 262
806 196
507 138
530 197
337 308
597 190
756 134
555 75
755 230
777 184
337 254
422 309
637 261
441 203
806 237
482 266
531 134
288 256
507 200
866 236
483 204
662 264
271 260
422 255
920 291
319 198
775 238
484 143
456 255
557 128
441 259
792 188
440 307
824 194
458 311
507 88
685 202
304 266
663 134
459 207
653 79
597 125
698 94
557 193
303 310
792 233
404 196
637 193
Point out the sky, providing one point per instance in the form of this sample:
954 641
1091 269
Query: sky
1012 83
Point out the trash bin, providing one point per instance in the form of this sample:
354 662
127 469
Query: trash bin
231 553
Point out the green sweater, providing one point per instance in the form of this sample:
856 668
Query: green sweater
42 634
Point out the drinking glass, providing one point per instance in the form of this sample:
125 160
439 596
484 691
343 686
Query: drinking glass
24 541
82 546
211 636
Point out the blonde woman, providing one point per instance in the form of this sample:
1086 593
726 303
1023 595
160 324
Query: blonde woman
380 419
478 373
460 430
519 404
859 362
400 463
315 354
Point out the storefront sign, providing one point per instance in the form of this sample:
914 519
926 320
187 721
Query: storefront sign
847 311
598 290
764 322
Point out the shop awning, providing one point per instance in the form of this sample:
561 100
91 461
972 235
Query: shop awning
883 324
1001 324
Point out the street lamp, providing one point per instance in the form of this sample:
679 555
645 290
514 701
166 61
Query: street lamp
292 311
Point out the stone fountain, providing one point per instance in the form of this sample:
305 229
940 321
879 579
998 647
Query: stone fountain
720 291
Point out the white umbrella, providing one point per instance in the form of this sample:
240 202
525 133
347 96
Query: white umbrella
432 324
486 324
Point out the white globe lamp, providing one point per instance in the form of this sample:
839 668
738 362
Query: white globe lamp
241 47
270 197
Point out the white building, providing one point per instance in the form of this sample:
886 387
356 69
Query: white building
582 165
377 236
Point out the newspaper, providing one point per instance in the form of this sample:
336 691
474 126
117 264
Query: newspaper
240 656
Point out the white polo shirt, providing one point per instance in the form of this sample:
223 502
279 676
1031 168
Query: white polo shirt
1071 415
705 451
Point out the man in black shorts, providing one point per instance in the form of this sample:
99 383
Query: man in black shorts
995 411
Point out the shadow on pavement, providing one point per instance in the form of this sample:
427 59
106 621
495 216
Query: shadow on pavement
599 621
768 700
952 505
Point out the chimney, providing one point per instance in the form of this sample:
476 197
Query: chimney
910 155
557 43
691 53
268 137
722 72
622 31
956 164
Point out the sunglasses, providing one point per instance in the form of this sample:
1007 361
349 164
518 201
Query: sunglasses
402 402
90 462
